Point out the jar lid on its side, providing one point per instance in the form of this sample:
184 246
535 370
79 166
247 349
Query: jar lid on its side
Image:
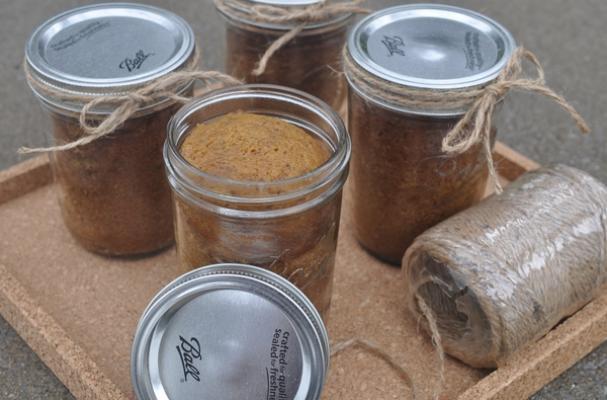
430 46
230 331
107 49
240 11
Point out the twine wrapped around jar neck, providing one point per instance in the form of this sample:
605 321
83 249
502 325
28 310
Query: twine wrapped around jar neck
124 105
300 17
479 102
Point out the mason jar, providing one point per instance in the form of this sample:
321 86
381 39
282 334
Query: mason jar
310 62
113 192
403 181
288 226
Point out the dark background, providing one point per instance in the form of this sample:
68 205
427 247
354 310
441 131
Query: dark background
567 36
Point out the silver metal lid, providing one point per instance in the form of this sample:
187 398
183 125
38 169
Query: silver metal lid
431 46
109 47
230 331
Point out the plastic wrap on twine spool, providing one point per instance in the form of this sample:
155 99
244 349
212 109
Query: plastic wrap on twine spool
506 271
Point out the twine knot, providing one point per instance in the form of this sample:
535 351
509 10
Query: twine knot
496 92
123 106
479 103
301 17
475 125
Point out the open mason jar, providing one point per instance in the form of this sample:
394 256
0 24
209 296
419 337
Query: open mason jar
309 62
288 226
400 64
113 191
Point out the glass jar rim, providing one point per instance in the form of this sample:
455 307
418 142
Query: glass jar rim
334 166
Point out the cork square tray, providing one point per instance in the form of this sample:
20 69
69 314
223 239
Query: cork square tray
78 311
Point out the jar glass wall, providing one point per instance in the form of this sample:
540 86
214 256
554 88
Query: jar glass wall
113 193
403 181
289 226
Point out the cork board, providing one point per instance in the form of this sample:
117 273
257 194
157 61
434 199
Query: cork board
78 311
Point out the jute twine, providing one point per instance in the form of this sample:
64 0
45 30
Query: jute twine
299 17
372 348
480 102
375 350
123 105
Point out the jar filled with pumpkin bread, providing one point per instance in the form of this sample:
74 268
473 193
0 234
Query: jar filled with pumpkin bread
413 72
310 61
257 173
112 187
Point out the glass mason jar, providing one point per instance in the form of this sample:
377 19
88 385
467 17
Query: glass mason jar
113 192
288 226
310 62
403 182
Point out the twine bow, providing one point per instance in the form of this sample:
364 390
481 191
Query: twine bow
475 126
302 17
123 105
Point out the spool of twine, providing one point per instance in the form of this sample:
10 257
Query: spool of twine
299 17
505 272
478 102
122 105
